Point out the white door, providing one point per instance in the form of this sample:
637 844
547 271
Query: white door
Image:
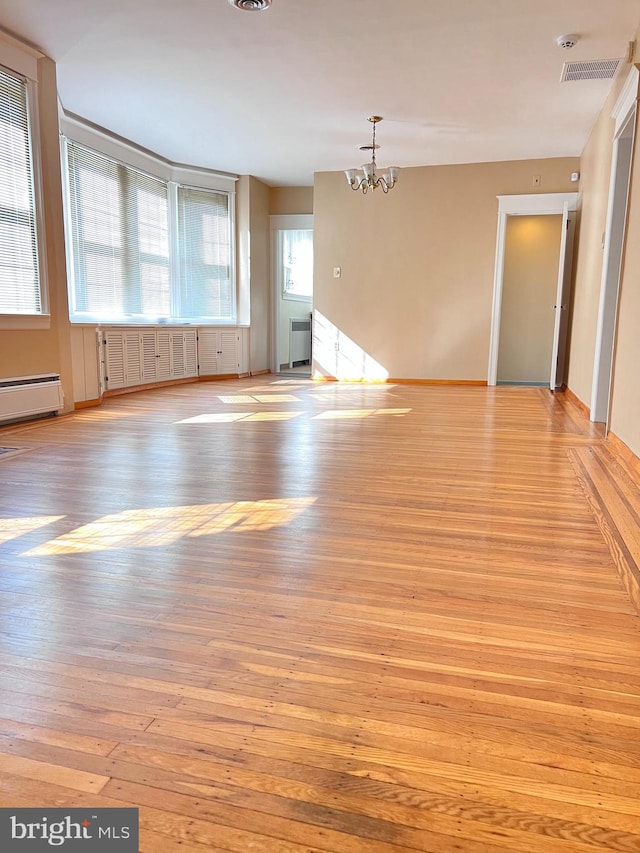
561 307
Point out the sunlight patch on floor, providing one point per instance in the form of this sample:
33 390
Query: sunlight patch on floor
345 414
161 526
258 398
12 528
230 417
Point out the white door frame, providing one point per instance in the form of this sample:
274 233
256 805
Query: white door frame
624 114
537 204
300 221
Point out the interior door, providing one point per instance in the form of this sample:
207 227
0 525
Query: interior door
561 307
530 283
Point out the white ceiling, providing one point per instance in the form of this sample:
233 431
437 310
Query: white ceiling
283 93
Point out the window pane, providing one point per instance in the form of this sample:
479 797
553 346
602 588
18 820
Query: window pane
297 263
99 199
120 240
205 287
19 273
122 268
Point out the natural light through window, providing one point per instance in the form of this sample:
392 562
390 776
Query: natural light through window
12 528
337 356
231 417
160 526
342 414
258 398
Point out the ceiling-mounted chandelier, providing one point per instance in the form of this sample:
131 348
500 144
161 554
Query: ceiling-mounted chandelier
370 179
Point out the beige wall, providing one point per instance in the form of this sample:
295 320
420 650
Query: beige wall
290 200
595 173
625 404
30 351
259 261
417 266
530 283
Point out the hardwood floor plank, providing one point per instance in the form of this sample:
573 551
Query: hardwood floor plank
390 623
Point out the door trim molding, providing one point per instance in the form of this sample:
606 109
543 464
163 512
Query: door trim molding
280 222
615 238
626 100
518 205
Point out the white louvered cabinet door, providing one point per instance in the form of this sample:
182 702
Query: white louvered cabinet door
190 352
133 358
218 352
228 351
149 360
113 349
163 355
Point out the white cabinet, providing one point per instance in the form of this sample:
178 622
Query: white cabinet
143 356
219 351
123 359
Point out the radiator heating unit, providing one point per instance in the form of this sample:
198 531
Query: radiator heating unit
299 340
25 397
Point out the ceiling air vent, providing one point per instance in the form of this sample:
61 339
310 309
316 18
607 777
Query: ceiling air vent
251 5
594 69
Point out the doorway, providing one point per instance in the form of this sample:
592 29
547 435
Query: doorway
625 116
531 289
531 257
292 293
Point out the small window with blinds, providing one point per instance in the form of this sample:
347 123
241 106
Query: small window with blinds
142 250
20 288
204 237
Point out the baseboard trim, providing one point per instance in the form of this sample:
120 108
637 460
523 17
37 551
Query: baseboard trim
577 402
87 404
258 372
473 383
477 383
218 377
624 453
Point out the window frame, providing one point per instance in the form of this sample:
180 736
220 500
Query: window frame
21 63
128 155
291 295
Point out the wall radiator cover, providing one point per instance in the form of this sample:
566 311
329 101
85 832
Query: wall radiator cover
23 397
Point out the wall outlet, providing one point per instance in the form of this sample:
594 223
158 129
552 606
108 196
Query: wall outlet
337 272
536 180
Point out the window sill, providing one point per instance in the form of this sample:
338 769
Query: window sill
25 321
294 297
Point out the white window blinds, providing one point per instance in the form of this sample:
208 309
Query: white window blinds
204 236
120 240
144 250
20 291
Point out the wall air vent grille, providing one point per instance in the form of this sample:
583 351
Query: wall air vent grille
594 69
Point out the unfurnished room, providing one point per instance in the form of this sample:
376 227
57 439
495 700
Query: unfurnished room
319 426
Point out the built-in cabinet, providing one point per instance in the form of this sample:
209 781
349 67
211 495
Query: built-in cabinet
143 356
219 352
132 356
105 359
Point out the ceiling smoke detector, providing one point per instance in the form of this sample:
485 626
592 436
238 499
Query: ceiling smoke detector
251 5
567 42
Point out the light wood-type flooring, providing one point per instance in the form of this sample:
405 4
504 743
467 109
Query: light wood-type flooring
291 617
